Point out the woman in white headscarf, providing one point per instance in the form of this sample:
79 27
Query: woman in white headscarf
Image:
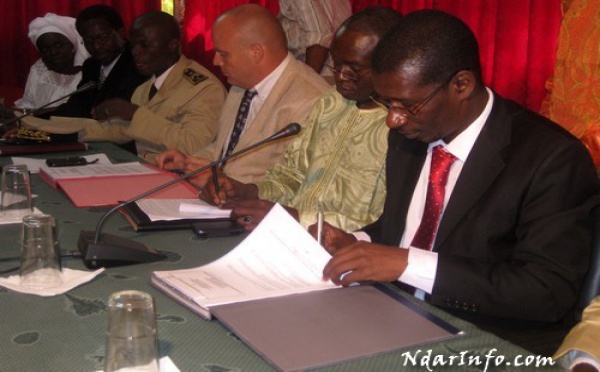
58 71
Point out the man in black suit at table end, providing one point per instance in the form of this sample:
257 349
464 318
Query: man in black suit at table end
488 201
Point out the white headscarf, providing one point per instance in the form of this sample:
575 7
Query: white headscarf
62 25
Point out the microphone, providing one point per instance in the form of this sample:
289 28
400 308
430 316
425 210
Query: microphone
84 88
106 250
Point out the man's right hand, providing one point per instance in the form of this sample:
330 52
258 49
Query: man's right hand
176 161
332 238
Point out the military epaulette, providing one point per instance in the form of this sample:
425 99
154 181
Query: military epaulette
193 76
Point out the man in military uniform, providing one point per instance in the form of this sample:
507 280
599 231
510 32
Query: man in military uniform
178 108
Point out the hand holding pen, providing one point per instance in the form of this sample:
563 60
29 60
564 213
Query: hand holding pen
216 190
215 180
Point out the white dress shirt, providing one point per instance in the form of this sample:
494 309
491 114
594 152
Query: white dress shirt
263 89
159 80
422 264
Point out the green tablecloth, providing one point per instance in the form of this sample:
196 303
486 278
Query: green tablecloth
67 332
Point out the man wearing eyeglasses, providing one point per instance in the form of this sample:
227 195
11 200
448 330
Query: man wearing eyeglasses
488 201
336 165
111 64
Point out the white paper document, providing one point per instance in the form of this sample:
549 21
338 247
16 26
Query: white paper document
177 209
34 165
278 258
97 170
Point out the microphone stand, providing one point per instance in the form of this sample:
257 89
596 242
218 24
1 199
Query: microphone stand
84 88
102 250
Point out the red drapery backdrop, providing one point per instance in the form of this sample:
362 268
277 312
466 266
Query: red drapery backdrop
518 38
17 51
197 22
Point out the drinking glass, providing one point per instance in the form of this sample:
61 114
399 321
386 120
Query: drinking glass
131 336
40 258
16 192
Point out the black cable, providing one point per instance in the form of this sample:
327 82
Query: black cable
74 254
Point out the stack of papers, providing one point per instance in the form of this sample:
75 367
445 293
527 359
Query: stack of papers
178 209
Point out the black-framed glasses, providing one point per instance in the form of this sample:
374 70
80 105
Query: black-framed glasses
413 110
100 38
350 73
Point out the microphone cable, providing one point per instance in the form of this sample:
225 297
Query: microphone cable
63 254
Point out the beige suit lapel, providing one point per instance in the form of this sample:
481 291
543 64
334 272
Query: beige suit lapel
260 128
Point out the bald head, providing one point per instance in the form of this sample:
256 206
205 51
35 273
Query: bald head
249 44
255 24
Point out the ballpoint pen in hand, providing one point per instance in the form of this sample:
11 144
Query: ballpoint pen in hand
319 226
215 178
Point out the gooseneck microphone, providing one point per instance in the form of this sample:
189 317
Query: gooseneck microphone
84 88
104 250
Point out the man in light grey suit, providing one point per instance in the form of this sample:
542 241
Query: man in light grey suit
251 51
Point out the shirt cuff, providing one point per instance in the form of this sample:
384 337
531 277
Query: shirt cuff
421 269
361 235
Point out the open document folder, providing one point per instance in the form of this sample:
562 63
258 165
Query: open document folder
269 292
171 214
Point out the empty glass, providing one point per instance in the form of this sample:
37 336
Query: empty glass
131 336
16 192
40 258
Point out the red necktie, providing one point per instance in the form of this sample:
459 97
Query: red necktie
441 161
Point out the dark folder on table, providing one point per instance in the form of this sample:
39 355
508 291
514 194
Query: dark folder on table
320 328
40 148
140 221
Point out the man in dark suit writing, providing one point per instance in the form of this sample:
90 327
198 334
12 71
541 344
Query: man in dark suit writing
489 201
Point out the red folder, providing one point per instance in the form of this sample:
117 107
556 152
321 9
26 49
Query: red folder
110 190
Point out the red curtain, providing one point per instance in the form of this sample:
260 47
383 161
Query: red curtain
197 23
17 51
518 38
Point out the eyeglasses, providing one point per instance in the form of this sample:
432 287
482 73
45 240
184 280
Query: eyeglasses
351 74
100 38
414 110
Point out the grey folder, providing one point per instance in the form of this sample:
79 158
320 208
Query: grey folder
316 329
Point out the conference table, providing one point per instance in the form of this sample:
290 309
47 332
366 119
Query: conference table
67 332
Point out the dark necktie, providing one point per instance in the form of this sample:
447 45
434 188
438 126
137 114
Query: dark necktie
153 91
441 161
101 77
240 120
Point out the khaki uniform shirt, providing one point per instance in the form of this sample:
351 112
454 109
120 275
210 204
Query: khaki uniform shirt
182 115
